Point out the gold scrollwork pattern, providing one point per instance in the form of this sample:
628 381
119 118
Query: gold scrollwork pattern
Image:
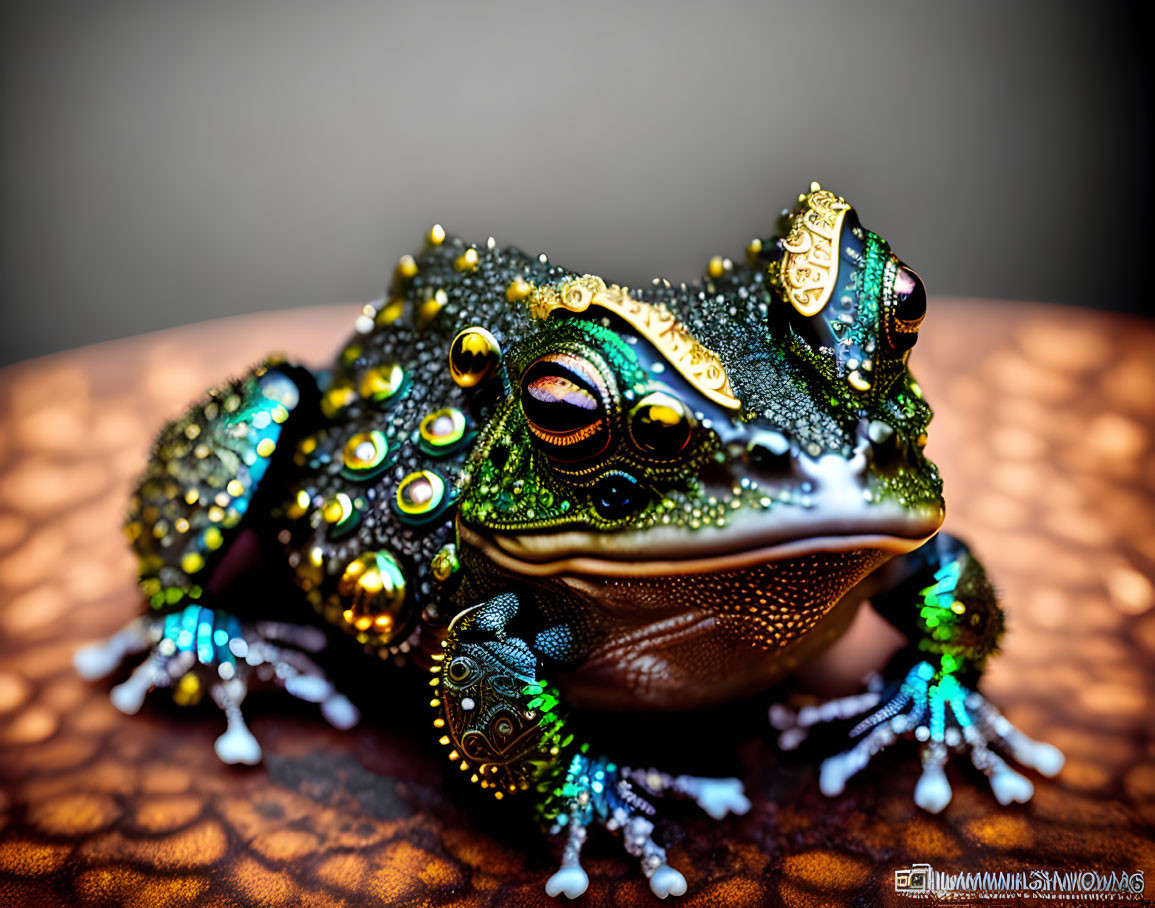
490 731
808 270
700 366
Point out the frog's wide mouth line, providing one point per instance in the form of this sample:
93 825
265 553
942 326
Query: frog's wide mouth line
499 551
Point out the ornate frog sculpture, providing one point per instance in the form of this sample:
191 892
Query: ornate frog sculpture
558 495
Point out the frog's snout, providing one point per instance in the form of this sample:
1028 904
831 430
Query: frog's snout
770 459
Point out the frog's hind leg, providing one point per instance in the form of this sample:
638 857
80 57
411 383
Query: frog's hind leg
196 523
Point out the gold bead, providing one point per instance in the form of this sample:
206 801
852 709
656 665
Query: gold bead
436 235
339 511
660 425
420 494
406 267
192 562
390 312
372 589
442 429
364 455
467 261
431 307
519 288
474 357
299 506
381 383
444 564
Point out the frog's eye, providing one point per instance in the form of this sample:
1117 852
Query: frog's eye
904 310
565 401
660 425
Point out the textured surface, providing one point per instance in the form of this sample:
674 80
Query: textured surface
1044 435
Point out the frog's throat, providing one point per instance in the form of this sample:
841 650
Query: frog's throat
604 567
698 364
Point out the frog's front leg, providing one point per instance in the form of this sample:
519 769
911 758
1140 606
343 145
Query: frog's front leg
199 650
507 727
195 522
941 599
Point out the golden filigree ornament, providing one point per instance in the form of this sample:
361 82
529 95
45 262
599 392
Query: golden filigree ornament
700 365
808 270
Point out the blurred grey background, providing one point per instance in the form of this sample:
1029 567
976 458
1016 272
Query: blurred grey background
168 162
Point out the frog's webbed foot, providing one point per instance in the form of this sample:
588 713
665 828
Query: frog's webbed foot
944 716
199 650
598 791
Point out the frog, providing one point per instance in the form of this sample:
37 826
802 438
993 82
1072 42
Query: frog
559 496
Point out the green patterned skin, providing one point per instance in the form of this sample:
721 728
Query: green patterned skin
553 511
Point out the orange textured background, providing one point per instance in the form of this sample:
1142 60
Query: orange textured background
1044 427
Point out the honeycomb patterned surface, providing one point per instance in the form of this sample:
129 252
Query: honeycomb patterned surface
1044 426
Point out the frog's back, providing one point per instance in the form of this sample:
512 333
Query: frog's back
369 505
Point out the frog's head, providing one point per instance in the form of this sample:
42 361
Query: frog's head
761 420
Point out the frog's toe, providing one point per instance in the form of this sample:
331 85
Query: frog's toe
1038 755
1010 787
794 726
932 792
717 797
945 716
237 744
128 697
98 660
340 712
198 650
667 881
569 881
598 791
306 681
836 770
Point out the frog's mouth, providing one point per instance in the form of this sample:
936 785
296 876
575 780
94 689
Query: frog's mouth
665 551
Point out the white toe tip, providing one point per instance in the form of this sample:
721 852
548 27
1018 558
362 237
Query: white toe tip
1046 759
340 712
932 793
667 881
791 738
127 697
721 796
569 881
308 687
95 661
781 718
1009 786
832 776
236 746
